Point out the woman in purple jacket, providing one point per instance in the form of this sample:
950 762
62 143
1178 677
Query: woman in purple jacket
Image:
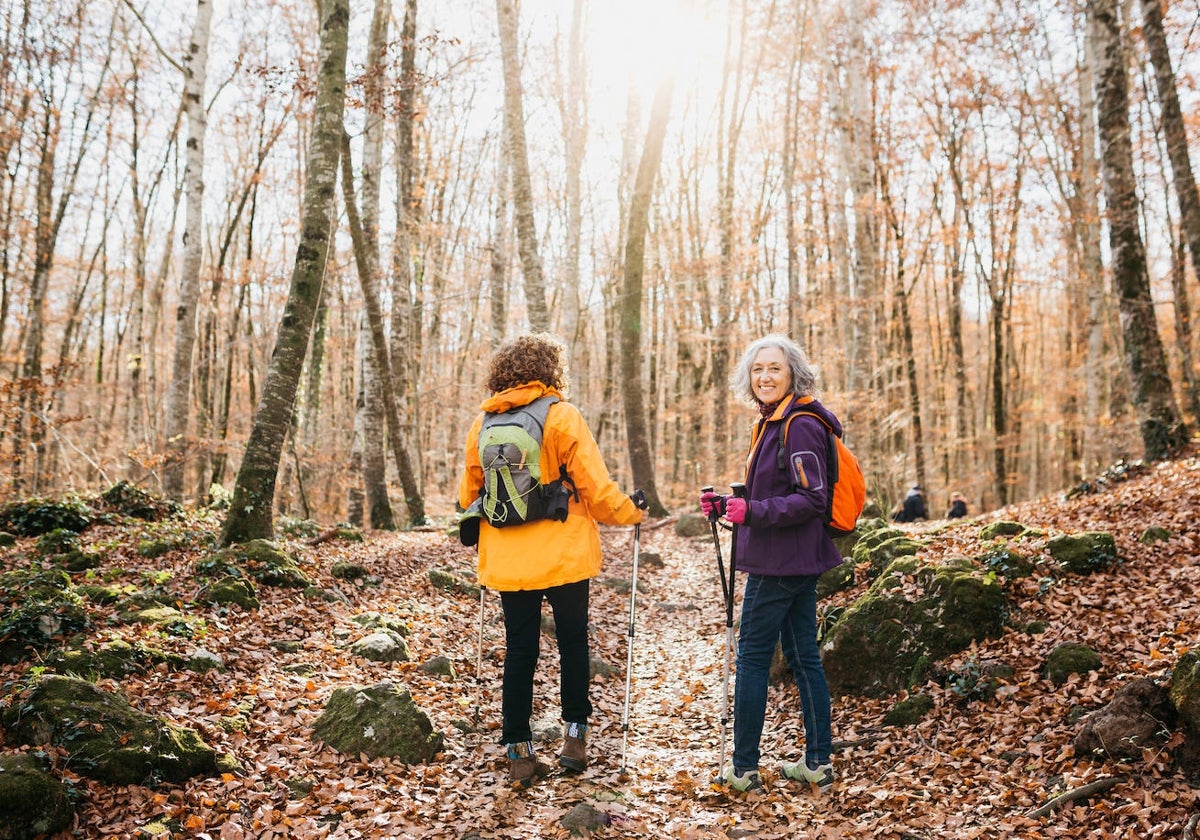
783 547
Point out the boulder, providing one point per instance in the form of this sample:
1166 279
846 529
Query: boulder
381 646
32 802
1082 554
113 660
1139 716
230 589
105 738
1070 658
912 616
380 720
1003 528
1184 690
692 525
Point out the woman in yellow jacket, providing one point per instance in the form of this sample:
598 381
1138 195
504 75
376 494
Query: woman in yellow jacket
545 559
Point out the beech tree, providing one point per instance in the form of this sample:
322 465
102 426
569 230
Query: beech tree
1162 429
251 512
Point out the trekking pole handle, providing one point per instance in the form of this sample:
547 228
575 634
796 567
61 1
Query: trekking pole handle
738 489
707 488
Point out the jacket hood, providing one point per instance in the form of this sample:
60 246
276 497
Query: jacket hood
518 396
810 405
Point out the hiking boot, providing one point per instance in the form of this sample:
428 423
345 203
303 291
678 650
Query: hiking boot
574 749
523 766
740 782
822 776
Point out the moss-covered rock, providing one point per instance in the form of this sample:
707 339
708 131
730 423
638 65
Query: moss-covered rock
380 720
1005 562
912 616
104 737
230 590
1070 658
32 802
1154 534
379 621
261 560
879 548
345 570
908 712
692 525
439 666
7 539
169 620
1003 528
837 579
381 646
1084 553
449 582
1184 690
114 659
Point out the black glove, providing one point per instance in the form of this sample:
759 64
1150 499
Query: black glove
639 499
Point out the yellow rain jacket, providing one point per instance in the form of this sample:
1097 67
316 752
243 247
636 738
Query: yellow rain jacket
545 553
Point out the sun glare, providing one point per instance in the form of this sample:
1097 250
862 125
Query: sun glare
638 42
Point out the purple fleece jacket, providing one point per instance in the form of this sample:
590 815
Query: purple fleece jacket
784 532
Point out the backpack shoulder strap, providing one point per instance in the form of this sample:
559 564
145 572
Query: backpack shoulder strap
831 454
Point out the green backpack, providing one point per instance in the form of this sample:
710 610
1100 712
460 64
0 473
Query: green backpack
510 451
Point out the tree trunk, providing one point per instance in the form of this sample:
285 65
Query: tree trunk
1092 268
574 114
1163 431
632 393
514 121
179 396
416 505
371 441
251 511
404 361
1174 128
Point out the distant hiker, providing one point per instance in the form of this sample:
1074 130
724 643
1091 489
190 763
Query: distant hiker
958 507
543 558
913 507
783 545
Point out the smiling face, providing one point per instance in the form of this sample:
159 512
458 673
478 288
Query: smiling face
770 375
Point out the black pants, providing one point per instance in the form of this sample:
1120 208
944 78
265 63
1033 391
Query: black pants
523 627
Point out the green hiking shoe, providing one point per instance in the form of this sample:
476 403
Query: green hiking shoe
798 771
740 782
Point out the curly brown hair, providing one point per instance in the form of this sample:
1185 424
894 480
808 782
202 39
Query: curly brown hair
539 357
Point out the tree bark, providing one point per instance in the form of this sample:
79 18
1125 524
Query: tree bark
1163 431
1173 126
632 392
179 396
371 423
574 115
251 511
405 358
514 121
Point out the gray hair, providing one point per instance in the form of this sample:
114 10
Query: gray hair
804 378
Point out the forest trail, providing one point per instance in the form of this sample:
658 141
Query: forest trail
970 768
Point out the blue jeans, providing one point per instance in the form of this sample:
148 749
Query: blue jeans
523 629
779 609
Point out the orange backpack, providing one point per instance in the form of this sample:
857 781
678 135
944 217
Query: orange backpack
848 488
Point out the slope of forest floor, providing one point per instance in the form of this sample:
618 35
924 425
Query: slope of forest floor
970 768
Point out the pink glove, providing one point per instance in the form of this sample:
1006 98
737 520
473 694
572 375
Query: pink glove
735 510
712 505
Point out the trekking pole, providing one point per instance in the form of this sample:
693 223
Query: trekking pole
637 543
739 490
727 594
479 658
